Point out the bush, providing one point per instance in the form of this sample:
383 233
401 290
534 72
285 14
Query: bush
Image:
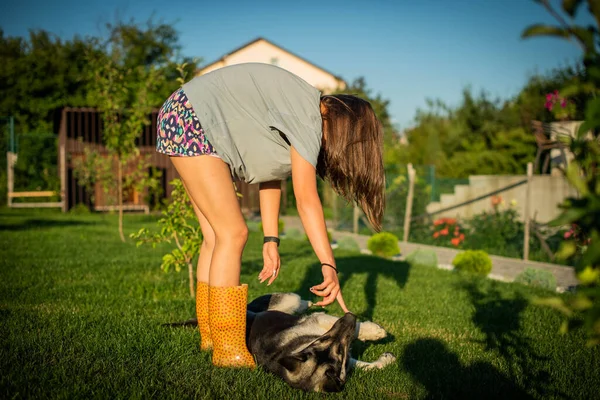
254 226
538 278
474 262
280 227
79 209
383 244
422 258
348 243
294 234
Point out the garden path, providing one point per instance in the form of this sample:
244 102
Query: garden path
503 268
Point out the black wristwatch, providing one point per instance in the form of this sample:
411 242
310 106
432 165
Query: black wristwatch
268 239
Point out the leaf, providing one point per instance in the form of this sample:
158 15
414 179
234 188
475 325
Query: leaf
581 303
574 176
570 6
567 249
568 216
564 327
554 302
589 275
545 30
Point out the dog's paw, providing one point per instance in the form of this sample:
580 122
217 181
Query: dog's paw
370 331
385 359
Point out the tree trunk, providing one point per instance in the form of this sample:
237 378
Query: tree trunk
191 273
120 196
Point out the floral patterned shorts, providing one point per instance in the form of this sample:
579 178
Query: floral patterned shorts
179 130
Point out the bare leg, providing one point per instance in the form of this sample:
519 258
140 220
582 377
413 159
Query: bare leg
208 244
208 182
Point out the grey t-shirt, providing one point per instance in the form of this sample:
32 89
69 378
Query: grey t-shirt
244 109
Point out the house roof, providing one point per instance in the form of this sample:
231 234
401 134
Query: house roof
273 44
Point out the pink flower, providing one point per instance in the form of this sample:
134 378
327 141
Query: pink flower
563 103
549 105
568 234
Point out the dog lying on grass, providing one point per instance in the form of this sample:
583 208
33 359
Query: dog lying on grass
310 352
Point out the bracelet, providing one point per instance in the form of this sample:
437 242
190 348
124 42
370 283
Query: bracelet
331 266
268 239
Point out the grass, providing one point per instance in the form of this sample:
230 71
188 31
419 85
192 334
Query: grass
81 317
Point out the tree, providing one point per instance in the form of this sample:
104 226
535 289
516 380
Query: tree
582 212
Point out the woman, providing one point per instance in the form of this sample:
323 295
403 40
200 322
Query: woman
260 123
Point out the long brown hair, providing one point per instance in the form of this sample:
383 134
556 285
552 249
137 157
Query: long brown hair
351 158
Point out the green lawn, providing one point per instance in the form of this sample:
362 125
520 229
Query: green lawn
81 317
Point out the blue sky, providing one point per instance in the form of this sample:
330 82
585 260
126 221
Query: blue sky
407 50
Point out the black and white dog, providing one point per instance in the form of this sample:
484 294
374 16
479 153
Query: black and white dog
310 352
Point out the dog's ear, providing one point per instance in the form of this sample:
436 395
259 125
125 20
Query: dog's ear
293 362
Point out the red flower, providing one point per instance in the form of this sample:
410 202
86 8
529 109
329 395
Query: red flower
438 222
444 232
461 237
435 235
455 241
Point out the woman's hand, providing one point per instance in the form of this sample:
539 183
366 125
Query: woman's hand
271 264
330 289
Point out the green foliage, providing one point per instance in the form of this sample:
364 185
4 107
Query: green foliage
36 167
383 244
294 234
79 209
538 278
473 262
175 227
498 232
253 226
348 243
480 136
422 258
583 173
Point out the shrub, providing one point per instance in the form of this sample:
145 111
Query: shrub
383 244
348 243
294 234
474 262
280 226
254 226
422 258
79 209
538 278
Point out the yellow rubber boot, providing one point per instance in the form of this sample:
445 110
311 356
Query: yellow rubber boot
202 314
227 315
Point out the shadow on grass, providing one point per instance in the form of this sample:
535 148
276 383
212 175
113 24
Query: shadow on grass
444 377
349 266
500 320
35 223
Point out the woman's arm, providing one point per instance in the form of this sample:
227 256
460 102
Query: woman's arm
270 198
304 179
